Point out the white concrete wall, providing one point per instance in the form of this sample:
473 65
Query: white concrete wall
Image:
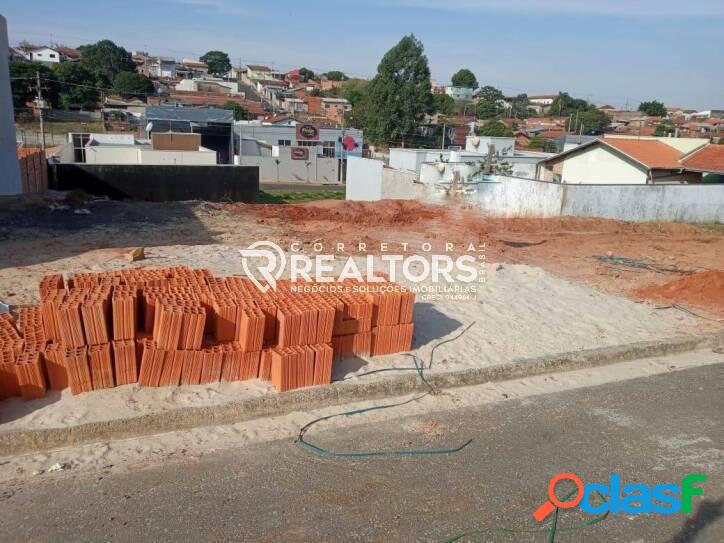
505 146
188 158
599 164
514 197
364 179
315 170
138 155
9 166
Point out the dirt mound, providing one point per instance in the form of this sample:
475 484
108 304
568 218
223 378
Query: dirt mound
703 288
384 213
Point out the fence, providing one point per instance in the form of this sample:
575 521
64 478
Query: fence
33 170
506 196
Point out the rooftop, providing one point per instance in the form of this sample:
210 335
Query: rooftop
651 153
709 158
258 68
210 115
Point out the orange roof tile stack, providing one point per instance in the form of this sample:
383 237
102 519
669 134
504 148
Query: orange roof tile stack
177 326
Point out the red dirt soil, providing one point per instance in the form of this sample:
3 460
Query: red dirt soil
705 289
564 246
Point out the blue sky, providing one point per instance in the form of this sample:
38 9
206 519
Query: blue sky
609 51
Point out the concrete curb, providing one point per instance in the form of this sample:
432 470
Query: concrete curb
184 418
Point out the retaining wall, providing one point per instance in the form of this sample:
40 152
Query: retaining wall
160 183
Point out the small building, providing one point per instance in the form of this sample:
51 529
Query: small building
460 94
162 149
543 100
708 160
629 161
46 55
69 54
190 69
209 85
295 105
162 68
215 126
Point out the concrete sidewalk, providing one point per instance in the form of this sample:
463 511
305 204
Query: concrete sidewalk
227 410
652 430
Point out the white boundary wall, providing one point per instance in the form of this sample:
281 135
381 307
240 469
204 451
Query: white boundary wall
516 197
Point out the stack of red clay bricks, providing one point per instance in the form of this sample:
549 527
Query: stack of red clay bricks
177 326
33 169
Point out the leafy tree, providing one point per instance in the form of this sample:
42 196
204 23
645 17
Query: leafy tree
665 128
592 121
130 84
495 129
564 105
240 112
489 105
357 116
217 61
653 108
305 74
105 60
336 75
519 107
399 95
443 104
354 92
465 78
75 85
23 81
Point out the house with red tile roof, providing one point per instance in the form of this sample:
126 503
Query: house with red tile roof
706 159
629 161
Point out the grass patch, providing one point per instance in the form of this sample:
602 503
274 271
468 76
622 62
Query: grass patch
296 197
711 226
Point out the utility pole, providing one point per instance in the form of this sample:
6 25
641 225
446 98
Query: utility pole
41 106
444 127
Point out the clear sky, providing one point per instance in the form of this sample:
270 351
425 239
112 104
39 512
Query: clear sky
608 51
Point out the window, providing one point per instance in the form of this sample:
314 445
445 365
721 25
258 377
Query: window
285 143
52 55
328 149
307 143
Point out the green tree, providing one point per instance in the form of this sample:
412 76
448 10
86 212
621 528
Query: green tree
519 107
105 60
305 74
240 112
564 105
23 82
130 84
336 75
465 78
592 121
76 85
354 92
217 61
653 108
443 104
489 105
399 95
495 129
665 128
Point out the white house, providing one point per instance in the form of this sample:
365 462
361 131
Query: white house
162 67
43 54
460 94
543 100
618 161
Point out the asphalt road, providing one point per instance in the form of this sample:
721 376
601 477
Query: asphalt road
651 431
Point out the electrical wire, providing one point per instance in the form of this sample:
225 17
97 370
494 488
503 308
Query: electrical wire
419 367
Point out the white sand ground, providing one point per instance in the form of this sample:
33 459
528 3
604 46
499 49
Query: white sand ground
418 416
520 312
